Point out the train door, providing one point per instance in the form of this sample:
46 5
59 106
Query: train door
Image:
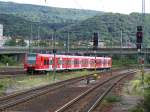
84 63
50 63
98 61
64 62
76 63
46 63
92 63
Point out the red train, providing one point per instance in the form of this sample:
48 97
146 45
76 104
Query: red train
47 62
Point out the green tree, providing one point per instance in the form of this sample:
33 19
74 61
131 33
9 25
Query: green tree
11 42
21 43
6 59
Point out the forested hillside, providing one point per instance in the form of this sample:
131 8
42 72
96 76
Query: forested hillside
111 27
45 14
20 20
18 27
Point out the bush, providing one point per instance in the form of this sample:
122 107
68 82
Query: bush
6 59
1 86
147 93
123 61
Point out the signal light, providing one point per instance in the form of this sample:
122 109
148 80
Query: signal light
54 50
139 37
95 40
138 46
139 28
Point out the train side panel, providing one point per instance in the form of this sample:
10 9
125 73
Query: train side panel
46 62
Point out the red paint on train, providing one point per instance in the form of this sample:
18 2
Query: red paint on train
46 62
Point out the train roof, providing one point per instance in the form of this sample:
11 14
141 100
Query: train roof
73 56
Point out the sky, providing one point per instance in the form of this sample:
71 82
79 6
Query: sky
115 6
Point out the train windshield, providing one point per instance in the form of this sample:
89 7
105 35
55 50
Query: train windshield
31 59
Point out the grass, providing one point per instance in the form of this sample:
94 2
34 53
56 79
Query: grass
4 83
136 88
112 99
137 109
109 101
26 82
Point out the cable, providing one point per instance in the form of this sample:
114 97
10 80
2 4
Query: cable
75 1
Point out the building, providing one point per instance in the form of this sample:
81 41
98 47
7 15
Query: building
3 39
1 30
101 44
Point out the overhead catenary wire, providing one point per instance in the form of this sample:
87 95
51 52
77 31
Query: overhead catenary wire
77 3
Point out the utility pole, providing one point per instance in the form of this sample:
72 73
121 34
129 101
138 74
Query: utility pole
143 21
30 38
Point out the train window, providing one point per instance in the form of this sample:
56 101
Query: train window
59 61
51 62
84 62
76 62
98 61
31 58
45 62
102 61
92 62
108 62
68 62
63 62
105 61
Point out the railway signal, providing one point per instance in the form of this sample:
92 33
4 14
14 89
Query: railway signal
139 37
95 40
54 50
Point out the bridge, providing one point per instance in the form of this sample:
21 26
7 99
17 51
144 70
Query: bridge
82 51
18 53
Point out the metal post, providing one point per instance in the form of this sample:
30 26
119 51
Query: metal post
142 74
95 75
39 36
54 51
52 41
143 20
121 46
111 55
95 62
30 38
68 43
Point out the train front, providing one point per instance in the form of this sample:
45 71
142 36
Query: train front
30 63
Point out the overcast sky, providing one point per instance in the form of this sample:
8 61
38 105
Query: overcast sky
120 6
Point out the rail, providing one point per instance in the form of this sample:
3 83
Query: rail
69 104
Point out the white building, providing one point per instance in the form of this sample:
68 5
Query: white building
101 44
3 39
1 30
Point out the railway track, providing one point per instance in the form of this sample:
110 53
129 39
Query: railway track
88 100
16 98
15 72
11 72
